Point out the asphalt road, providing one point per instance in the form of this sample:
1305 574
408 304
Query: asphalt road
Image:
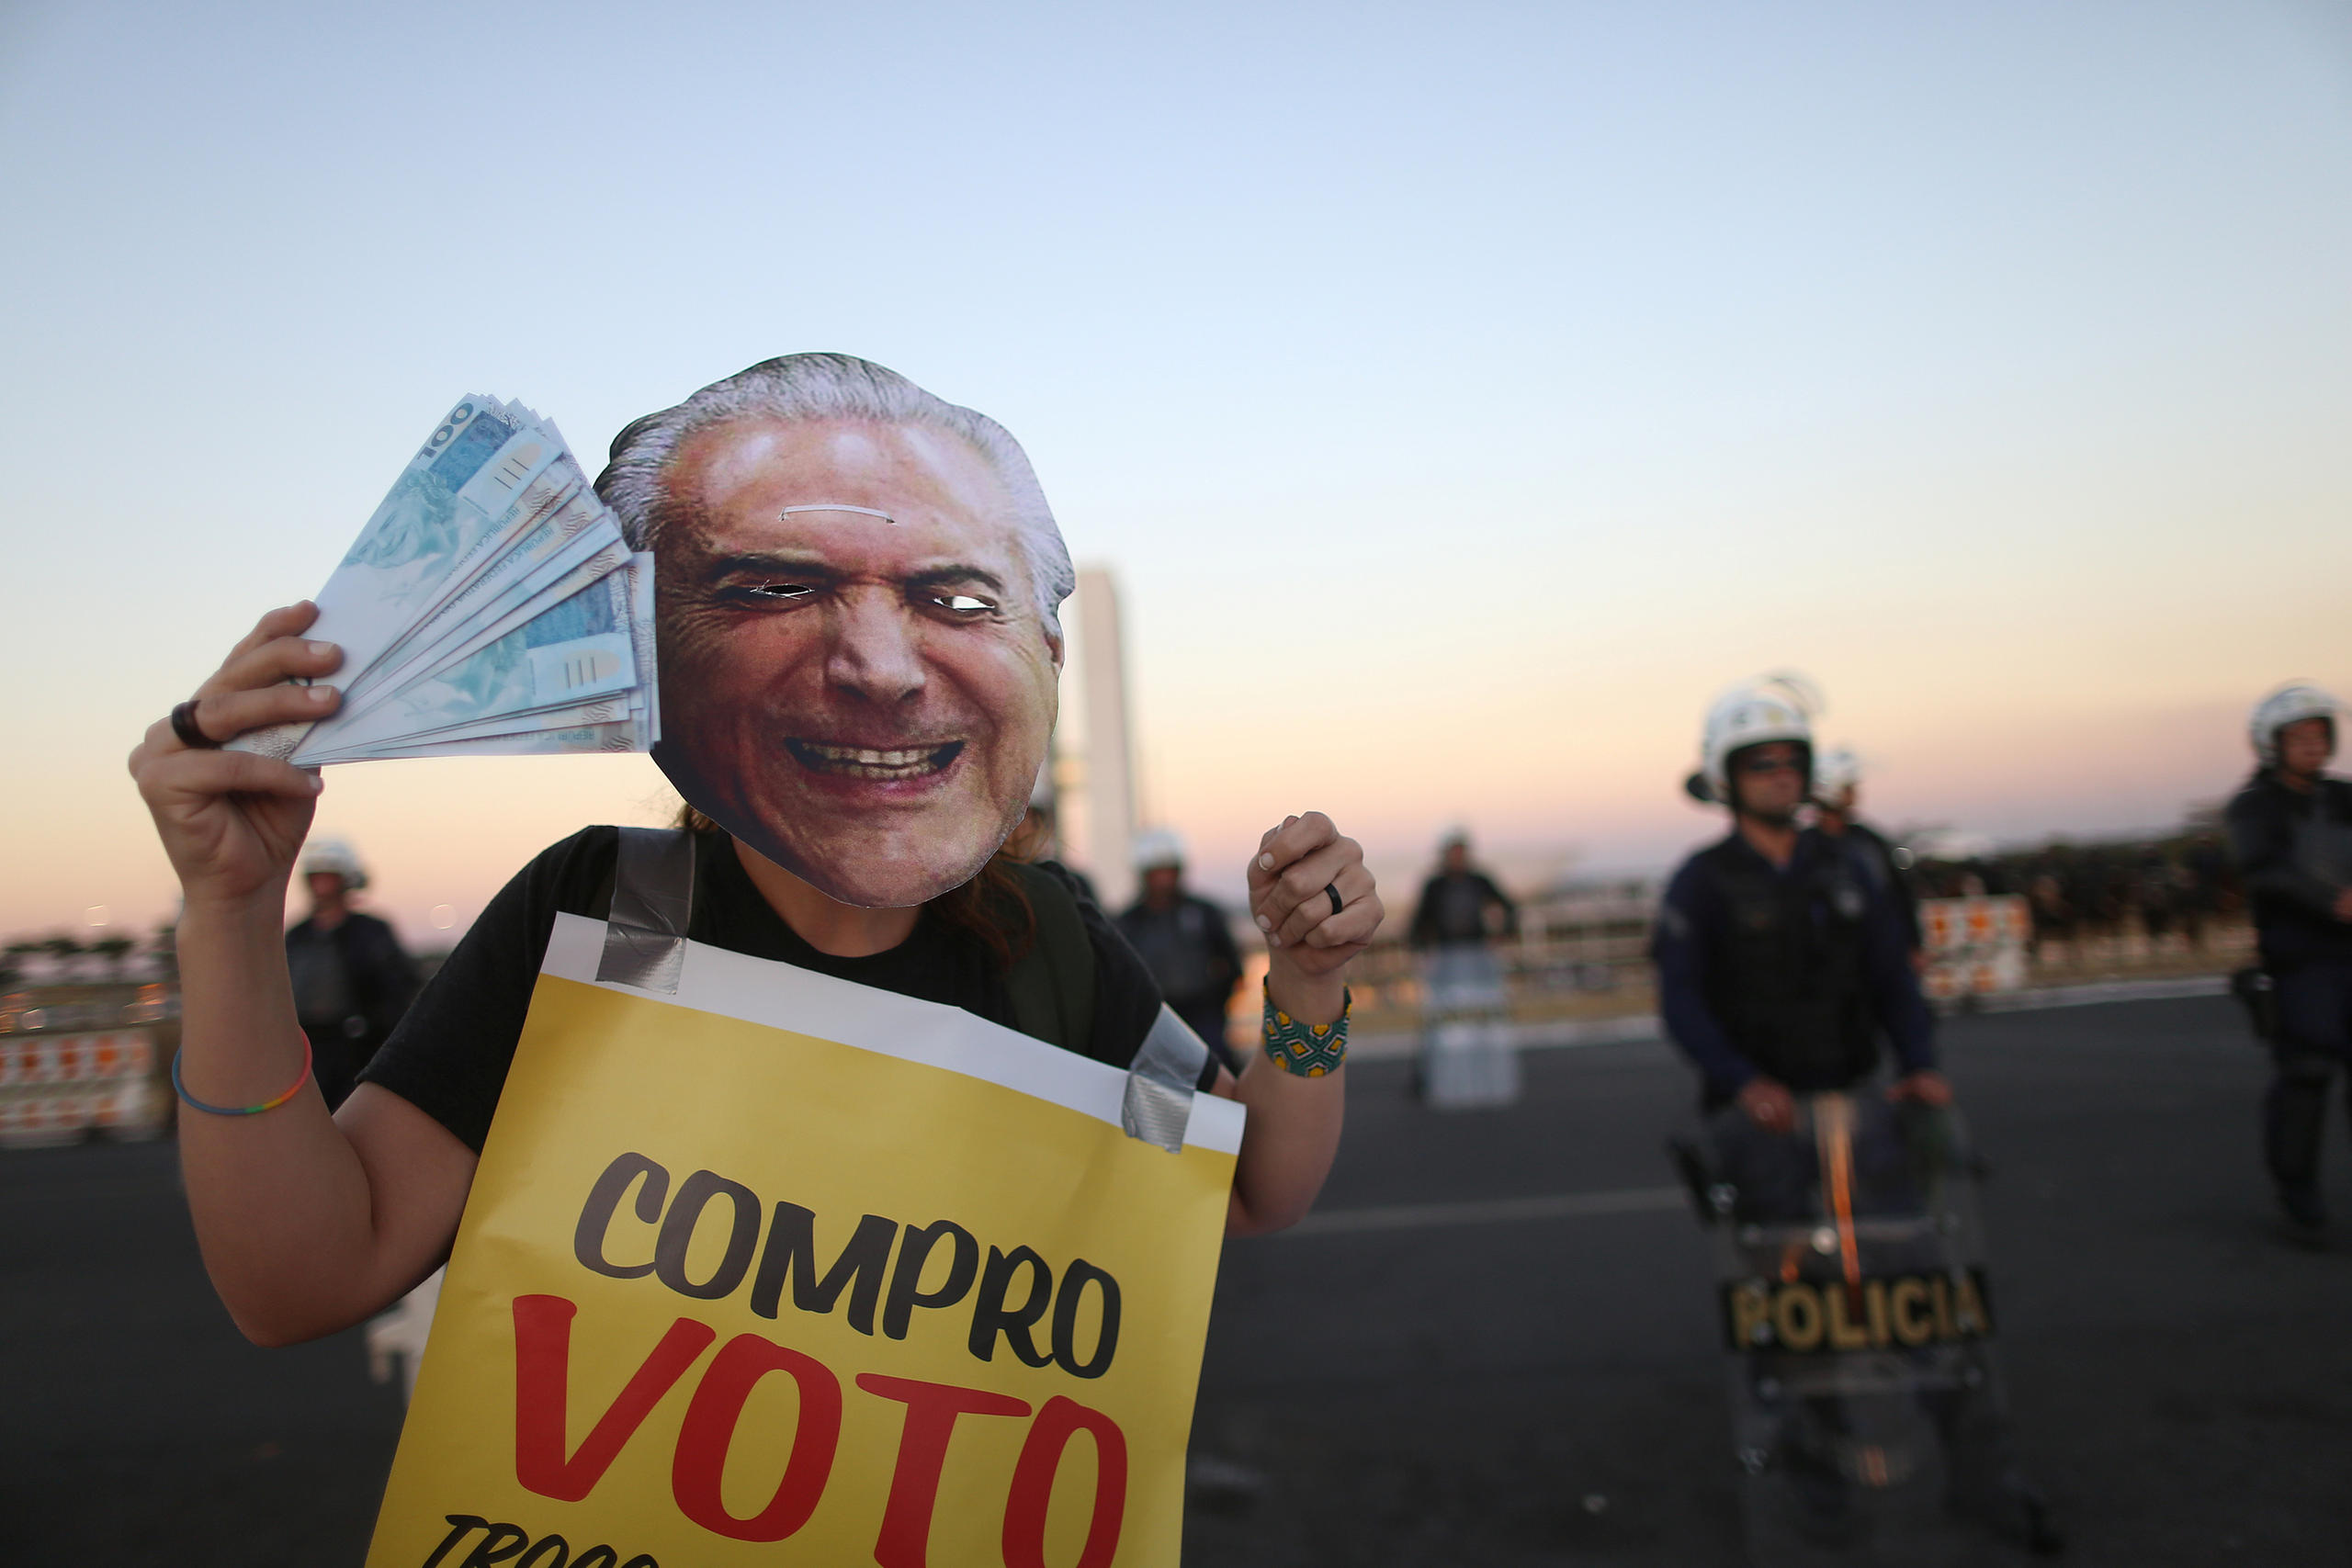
1494 1344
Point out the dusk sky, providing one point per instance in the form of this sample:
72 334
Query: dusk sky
1463 395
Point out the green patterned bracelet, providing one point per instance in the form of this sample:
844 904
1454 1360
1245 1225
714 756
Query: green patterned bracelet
1308 1051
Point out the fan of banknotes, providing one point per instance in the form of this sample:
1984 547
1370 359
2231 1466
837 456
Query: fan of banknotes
490 608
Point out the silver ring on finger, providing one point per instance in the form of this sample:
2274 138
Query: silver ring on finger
191 733
1332 890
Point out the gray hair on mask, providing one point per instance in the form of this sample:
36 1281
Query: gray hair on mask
809 387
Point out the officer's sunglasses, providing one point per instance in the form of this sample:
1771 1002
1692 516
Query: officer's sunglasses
1771 765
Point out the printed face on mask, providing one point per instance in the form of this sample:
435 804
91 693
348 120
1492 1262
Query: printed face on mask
857 679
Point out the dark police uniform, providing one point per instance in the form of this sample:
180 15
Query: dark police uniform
351 985
1793 973
1906 899
2294 855
1189 949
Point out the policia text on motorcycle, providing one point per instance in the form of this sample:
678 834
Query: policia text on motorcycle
1781 952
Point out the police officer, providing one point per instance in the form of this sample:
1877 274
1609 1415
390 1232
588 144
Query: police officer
1782 953
352 979
1183 939
2290 828
1836 792
1782 961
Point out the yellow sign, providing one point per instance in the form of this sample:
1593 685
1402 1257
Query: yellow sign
888 1285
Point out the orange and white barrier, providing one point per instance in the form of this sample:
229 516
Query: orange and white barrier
1975 946
56 1087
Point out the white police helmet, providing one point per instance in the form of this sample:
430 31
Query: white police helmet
1835 771
1156 847
2291 703
1777 706
337 856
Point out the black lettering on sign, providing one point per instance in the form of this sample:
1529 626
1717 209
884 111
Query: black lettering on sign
694 1195
906 1280
792 1248
1886 1312
512 1545
1016 1290
498 1543
991 1317
1075 1280
596 1214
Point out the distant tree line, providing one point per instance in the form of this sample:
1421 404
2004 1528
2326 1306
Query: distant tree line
2176 882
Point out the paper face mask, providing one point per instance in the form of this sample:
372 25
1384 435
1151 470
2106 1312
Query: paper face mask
858 680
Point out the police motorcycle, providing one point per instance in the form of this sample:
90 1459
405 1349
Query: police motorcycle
1858 1322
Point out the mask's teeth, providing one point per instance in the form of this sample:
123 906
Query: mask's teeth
875 762
865 758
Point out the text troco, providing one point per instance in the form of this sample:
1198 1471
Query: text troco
1903 1312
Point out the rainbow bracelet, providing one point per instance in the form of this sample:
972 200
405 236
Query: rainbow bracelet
1308 1051
271 1104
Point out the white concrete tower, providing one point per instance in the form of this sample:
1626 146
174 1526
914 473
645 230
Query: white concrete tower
1097 801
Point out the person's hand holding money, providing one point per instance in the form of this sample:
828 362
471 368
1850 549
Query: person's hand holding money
233 821
1311 895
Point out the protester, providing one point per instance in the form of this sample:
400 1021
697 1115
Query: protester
351 979
1182 938
2290 828
858 588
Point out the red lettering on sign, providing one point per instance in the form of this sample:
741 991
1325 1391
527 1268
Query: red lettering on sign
542 1389
542 1464
932 1409
1032 1485
709 1429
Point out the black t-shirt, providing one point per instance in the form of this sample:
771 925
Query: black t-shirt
450 1055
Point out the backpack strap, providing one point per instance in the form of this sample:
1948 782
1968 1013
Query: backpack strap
1052 984
1053 999
654 897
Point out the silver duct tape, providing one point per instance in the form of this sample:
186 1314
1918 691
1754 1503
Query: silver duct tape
653 893
643 959
1159 1102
